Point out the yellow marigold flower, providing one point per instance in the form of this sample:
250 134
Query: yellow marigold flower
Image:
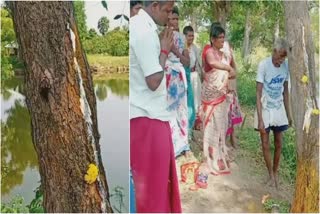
92 174
315 111
304 79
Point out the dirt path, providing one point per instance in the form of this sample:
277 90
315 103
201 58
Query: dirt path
240 191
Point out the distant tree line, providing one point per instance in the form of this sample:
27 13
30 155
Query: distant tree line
114 42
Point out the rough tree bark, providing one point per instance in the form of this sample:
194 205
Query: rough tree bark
301 62
193 22
221 11
62 105
276 29
246 39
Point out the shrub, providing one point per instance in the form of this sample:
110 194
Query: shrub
16 205
6 68
115 43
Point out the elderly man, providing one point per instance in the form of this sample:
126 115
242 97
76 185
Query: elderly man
273 105
151 150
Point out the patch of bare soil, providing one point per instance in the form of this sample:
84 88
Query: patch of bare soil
240 191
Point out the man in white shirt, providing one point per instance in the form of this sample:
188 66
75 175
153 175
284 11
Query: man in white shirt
151 150
273 105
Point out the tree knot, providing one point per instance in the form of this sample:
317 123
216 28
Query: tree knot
45 84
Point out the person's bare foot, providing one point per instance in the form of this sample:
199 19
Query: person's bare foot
194 187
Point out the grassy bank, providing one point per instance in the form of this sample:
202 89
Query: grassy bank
108 61
106 76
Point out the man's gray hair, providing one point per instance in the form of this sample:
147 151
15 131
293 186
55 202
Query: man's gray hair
280 43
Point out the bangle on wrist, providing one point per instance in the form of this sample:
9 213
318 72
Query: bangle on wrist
165 52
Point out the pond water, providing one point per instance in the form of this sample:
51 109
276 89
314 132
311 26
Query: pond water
19 164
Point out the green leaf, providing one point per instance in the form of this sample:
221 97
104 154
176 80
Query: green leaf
117 16
125 17
104 4
37 210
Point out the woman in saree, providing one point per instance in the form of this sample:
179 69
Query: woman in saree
234 114
213 112
177 88
183 55
177 100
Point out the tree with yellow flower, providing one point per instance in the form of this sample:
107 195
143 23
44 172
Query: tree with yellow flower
304 106
62 105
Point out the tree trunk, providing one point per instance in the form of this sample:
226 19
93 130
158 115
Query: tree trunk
62 105
194 25
276 29
193 22
246 39
221 12
301 62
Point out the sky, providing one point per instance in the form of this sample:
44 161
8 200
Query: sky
95 10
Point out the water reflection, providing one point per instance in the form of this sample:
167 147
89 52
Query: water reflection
12 86
118 86
19 164
17 151
101 91
113 126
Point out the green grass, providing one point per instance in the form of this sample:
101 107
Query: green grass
107 61
288 162
246 82
107 76
283 206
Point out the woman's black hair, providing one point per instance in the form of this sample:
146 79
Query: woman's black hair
215 24
187 29
175 10
215 32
